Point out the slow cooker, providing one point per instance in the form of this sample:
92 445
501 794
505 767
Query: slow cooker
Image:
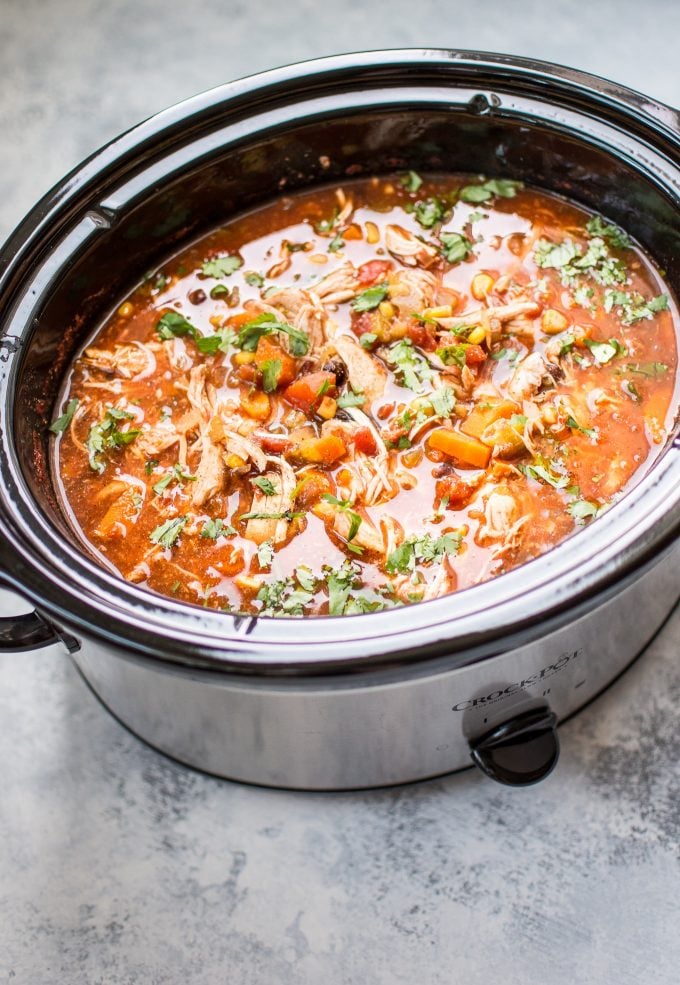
375 699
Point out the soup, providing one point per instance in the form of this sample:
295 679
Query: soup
368 396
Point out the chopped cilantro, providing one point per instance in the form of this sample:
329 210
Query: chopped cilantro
105 436
150 465
212 529
582 509
633 306
336 243
221 341
281 515
411 181
351 399
340 582
271 372
306 578
173 325
61 423
421 549
265 484
368 340
370 298
454 355
501 187
265 324
176 474
429 212
166 535
455 247
539 471
413 369
644 369
282 598
253 279
221 266
354 519
575 426
614 236
604 352
265 554
442 401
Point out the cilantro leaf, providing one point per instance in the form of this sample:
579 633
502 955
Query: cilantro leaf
265 554
354 518
265 484
442 401
253 279
265 324
429 212
173 325
539 471
166 535
575 426
61 423
454 355
583 509
221 266
455 247
413 369
282 598
615 236
368 340
340 582
221 341
106 436
501 187
411 181
351 399
369 299
604 352
212 529
633 306
271 372
421 549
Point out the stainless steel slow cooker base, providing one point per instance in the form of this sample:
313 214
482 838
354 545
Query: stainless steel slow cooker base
380 698
372 731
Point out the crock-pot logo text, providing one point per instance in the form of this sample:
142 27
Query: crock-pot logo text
531 681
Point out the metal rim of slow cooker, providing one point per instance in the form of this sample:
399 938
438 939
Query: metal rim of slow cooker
71 588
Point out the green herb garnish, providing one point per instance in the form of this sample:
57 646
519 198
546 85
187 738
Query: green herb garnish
61 423
166 535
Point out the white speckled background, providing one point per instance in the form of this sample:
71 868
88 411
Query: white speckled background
116 865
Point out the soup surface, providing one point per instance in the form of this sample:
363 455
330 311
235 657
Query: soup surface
368 396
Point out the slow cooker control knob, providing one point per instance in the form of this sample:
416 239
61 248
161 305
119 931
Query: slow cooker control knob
520 751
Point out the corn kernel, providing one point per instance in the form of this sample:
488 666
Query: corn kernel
549 414
481 285
477 336
327 408
318 258
443 311
216 321
553 322
126 309
243 358
234 461
412 457
372 233
386 309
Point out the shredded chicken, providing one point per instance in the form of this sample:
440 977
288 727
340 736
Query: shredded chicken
274 527
365 373
408 248
412 290
210 472
529 377
133 362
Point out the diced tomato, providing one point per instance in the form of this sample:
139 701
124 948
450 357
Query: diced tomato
307 392
248 373
275 444
365 442
362 322
455 491
268 350
373 271
475 355
422 335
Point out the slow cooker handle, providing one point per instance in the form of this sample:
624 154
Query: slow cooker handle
520 751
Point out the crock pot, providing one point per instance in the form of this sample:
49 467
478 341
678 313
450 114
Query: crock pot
375 699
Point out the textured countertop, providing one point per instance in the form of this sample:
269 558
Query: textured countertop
118 866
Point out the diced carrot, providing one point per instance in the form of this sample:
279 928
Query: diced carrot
307 392
353 231
256 404
322 451
486 413
238 321
462 447
268 350
120 516
374 270
365 442
475 355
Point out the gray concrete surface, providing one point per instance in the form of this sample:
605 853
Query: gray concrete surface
118 866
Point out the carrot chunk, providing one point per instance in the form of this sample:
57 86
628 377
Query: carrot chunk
460 446
322 451
485 414
307 392
267 351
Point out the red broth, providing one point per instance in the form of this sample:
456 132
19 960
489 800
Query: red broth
368 396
